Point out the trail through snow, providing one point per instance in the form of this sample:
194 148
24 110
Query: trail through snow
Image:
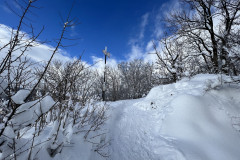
135 135
181 121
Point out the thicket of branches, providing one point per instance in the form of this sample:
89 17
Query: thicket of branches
205 38
54 99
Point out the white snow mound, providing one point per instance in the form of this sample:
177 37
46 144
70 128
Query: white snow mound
20 96
193 119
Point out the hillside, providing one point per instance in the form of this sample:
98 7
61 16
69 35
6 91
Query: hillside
193 119
196 119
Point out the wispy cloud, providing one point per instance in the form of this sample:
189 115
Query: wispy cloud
141 47
142 27
158 26
136 42
73 32
144 23
136 52
138 49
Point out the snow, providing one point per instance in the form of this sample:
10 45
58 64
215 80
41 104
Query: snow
193 119
9 132
29 112
20 96
79 149
202 129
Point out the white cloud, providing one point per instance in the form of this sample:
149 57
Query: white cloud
158 29
144 23
162 13
73 31
147 54
168 7
38 53
140 35
99 63
149 46
136 53
139 50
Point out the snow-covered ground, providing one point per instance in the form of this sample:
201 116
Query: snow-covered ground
193 119
196 119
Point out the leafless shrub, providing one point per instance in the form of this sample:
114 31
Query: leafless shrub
19 105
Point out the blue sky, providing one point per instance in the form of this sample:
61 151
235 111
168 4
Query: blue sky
125 26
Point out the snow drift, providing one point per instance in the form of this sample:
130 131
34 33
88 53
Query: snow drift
193 119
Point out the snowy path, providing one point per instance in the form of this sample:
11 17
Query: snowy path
135 134
177 122
136 126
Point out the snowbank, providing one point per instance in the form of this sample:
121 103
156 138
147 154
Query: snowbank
193 119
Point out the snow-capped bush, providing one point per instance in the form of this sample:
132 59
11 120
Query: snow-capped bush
38 122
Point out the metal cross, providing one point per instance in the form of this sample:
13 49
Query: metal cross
106 53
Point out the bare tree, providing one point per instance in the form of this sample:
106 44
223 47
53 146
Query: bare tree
24 110
171 58
136 78
114 84
211 27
